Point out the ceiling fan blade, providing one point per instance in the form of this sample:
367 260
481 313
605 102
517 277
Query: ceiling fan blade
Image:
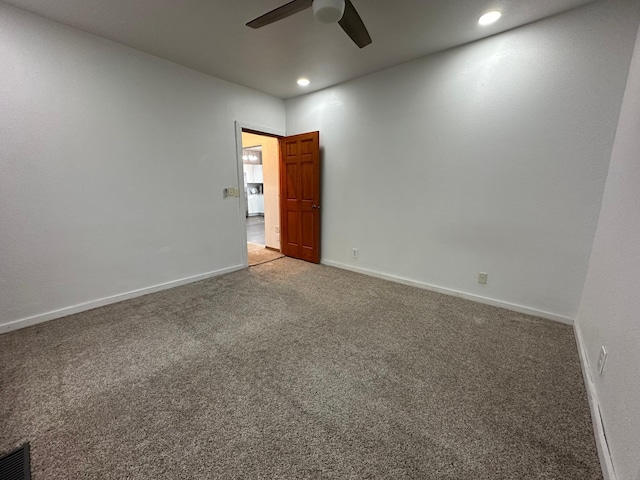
352 24
279 13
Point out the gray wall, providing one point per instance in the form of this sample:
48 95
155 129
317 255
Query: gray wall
609 312
113 164
491 157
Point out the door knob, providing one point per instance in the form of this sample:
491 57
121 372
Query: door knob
315 206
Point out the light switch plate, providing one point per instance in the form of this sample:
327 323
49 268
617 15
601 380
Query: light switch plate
230 192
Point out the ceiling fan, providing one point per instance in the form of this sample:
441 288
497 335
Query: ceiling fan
326 11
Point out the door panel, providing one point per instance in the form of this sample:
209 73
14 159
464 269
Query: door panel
308 230
306 146
300 196
292 229
307 172
291 175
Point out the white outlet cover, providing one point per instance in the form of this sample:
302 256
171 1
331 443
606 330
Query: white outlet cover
602 359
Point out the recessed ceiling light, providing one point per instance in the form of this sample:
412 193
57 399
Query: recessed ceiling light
489 17
303 82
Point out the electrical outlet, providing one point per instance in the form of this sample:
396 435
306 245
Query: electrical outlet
354 252
602 359
482 278
277 229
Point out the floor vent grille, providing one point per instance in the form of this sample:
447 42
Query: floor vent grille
16 465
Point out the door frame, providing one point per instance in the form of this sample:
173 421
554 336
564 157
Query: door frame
242 203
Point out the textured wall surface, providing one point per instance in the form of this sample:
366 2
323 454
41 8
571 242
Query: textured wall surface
609 312
491 157
113 164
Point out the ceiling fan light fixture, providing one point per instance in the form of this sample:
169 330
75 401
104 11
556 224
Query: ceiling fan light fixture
489 17
328 11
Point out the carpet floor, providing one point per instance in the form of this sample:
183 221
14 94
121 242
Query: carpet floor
260 254
294 370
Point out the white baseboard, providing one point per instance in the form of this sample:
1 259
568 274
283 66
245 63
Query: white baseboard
81 307
604 454
455 293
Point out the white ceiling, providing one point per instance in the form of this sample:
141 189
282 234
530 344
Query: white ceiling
211 36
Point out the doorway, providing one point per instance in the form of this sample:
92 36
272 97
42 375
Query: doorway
261 180
289 193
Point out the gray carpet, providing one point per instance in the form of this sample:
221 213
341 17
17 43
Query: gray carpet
294 370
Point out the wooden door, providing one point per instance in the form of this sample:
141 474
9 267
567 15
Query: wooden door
300 196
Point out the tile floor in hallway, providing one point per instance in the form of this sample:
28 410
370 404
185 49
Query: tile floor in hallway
255 230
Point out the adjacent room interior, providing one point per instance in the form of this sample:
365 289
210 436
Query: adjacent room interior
261 163
470 306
